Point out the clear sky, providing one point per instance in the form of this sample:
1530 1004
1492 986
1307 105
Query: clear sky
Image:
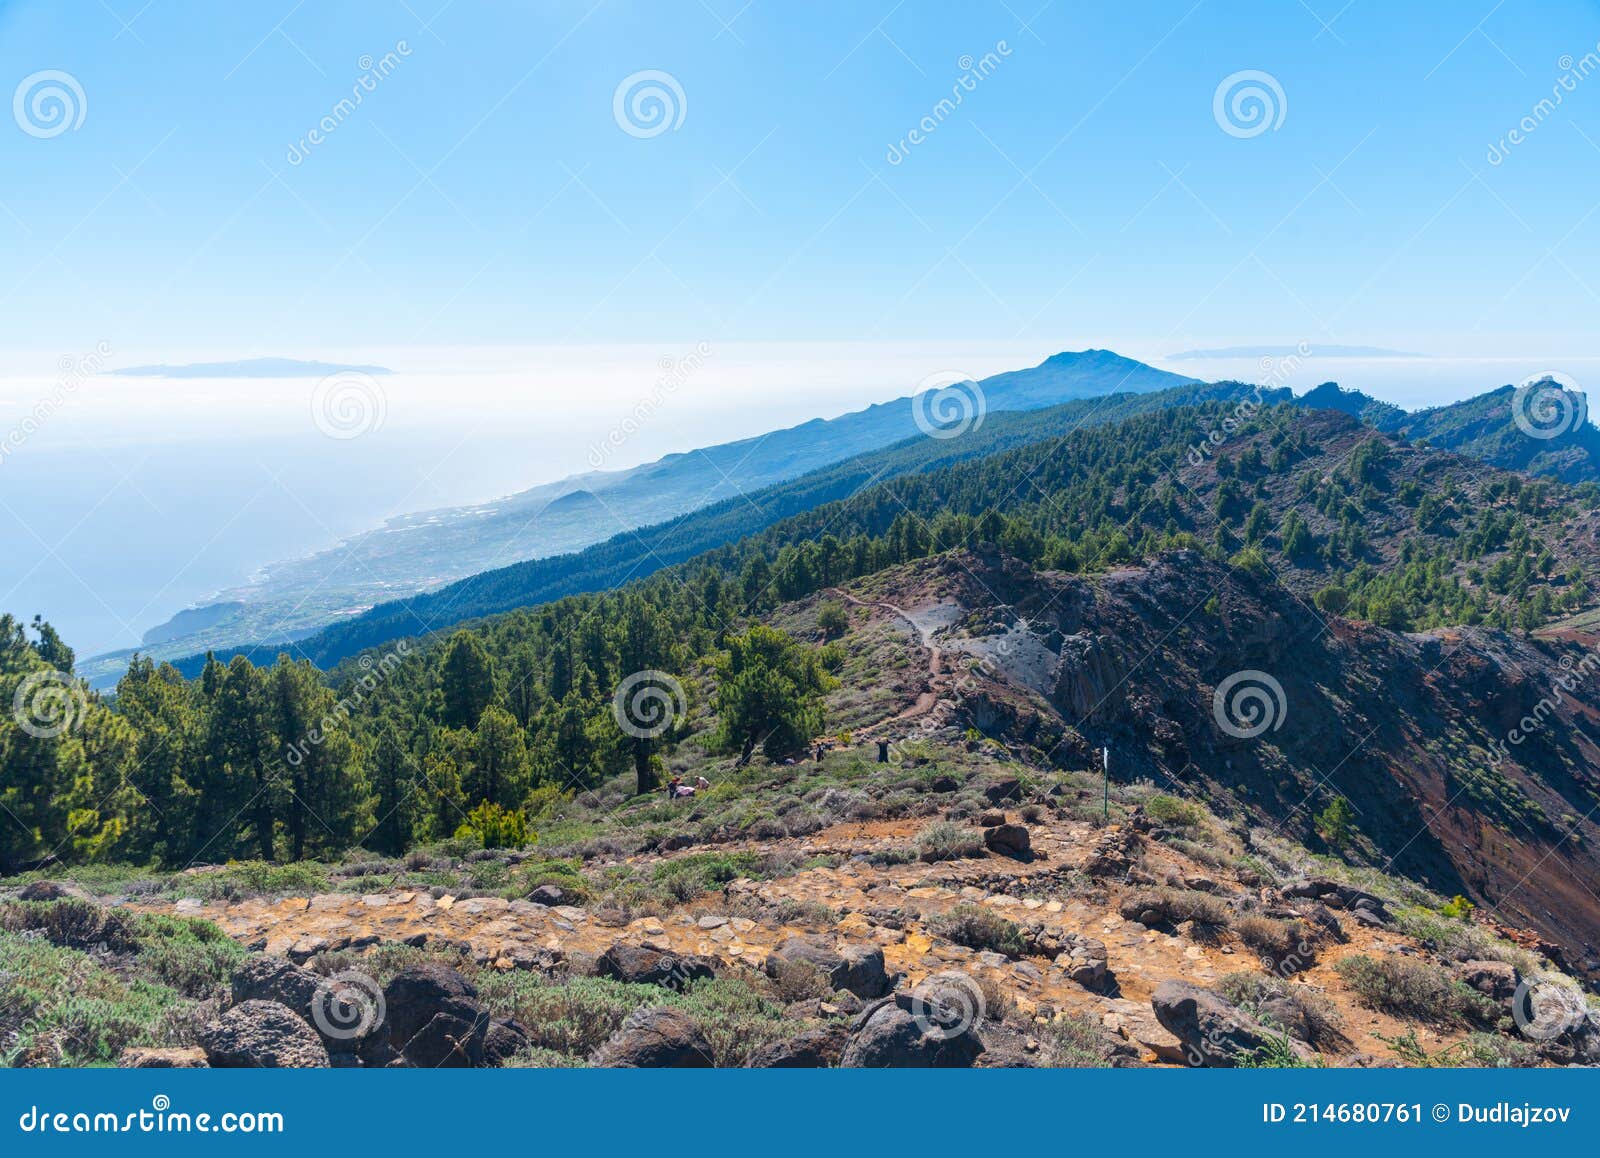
1083 192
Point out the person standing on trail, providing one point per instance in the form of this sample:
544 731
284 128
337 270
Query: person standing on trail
883 751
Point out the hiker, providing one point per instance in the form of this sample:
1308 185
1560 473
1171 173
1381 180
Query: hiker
672 787
883 751
819 753
701 784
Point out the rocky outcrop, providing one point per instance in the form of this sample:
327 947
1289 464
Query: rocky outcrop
656 1039
1213 1032
859 969
641 966
433 1019
267 978
812 1049
921 1031
262 1035
1008 840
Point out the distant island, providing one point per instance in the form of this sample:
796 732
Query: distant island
1315 351
249 368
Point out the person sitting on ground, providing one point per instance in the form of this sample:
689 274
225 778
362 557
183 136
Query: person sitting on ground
701 784
673 786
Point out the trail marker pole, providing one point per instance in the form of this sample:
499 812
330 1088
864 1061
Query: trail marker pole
1105 797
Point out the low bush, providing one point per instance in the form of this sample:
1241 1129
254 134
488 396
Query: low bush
1171 906
1076 1041
253 878
1259 995
1414 990
1173 812
979 928
61 1007
1283 946
946 840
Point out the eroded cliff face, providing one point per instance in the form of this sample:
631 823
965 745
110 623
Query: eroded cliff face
1468 756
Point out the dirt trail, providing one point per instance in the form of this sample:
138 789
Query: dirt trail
925 629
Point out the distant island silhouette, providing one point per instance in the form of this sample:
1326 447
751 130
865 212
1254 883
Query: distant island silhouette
249 368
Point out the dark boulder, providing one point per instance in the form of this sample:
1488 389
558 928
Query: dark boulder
641 966
1494 979
656 1039
918 1030
433 1019
811 1049
504 1040
1003 790
1008 840
276 979
262 1035
856 968
1214 1033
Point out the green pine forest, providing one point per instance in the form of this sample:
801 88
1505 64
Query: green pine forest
481 728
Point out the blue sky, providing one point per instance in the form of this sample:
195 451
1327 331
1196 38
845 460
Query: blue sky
1081 194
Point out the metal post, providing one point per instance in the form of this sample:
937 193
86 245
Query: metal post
1105 798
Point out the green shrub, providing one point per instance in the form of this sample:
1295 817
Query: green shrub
253 878
60 1007
687 877
492 826
566 875
1076 1041
539 1058
1252 992
946 840
1414 990
979 928
194 957
1173 812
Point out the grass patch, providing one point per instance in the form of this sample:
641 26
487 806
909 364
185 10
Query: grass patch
946 840
61 1007
979 928
1173 812
1076 1041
